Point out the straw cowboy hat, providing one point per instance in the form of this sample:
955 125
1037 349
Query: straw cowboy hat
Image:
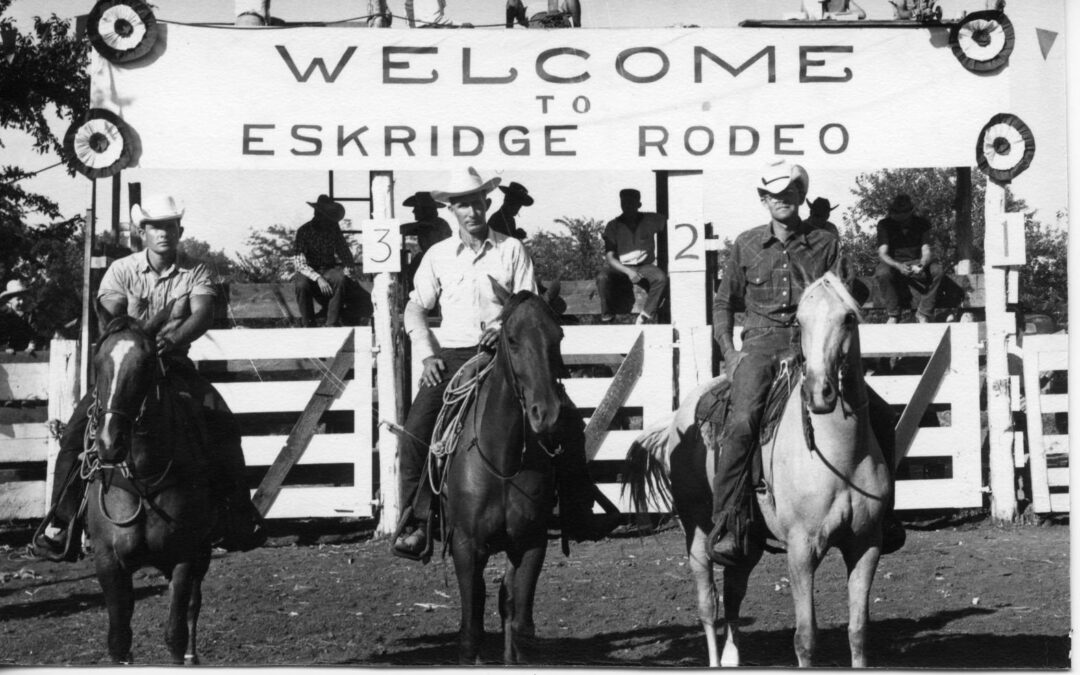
464 183
821 205
422 199
14 287
154 208
517 191
778 175
325 206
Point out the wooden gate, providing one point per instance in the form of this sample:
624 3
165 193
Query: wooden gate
1046 366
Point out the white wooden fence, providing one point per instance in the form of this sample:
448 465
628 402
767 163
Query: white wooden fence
1048 453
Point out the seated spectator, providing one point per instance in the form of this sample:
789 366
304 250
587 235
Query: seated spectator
18 332
630 257
907 264
504 220
832 9
428 229
820 209
322 262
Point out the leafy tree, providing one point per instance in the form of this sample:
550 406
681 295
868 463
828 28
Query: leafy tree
578 255
1044 279
216 260
271 255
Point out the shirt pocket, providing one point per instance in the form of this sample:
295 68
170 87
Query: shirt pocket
758 284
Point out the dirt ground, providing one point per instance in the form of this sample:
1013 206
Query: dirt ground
959 595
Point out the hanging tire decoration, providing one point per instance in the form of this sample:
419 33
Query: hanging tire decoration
983 41
100 147
1005 149
122 30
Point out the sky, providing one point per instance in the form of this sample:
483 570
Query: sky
222 208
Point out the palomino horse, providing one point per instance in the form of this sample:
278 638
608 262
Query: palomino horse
149 500
499 482
827 481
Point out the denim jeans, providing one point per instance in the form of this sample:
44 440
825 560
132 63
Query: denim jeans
896 288
617 293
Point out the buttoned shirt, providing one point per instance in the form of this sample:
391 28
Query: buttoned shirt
634 245
456 277
146 292
765 278
905 240
320 246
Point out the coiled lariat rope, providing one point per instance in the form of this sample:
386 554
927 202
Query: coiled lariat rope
459 396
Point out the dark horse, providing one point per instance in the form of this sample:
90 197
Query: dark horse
499 483
149 499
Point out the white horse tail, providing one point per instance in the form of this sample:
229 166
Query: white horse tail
645 470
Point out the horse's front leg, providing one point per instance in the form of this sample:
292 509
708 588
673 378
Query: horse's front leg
469 566
861 558
736 580
120 601
181 584
803 561
516 597
701 568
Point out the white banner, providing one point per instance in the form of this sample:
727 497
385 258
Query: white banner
346 98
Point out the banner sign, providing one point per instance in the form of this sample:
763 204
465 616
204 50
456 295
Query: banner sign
678 98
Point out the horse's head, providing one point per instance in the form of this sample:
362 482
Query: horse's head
829 320
529 342
125 366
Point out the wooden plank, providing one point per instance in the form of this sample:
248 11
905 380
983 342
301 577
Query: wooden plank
936 494
602 339
898 389
615 445
920 399
22 500
1058 477
1055 444
270 343
323 449
319 502
625 379
286 396
1060 503
328 390
1054 403
24 449
1040 489
900 339
24 381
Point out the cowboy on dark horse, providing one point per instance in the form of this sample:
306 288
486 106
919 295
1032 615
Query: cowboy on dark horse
141 285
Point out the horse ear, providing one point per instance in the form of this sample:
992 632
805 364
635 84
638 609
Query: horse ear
104 317
154 323
854 285
501 294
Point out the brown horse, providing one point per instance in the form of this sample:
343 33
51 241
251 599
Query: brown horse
499 482
826 478
149 501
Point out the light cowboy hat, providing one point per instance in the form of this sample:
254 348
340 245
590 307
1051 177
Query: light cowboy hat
464 183
519 192
327 207
154 208
778 175
14 287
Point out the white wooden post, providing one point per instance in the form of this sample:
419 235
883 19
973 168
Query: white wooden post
389 361
251 12
1000 333
686 282
63 397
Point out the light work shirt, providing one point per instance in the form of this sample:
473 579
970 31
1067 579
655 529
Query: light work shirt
456 278
131 278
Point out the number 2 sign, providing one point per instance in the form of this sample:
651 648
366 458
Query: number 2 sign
382 245
686 246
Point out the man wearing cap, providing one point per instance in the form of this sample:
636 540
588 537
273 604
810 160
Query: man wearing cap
906 261
457 273
768 269
141 285
17 330
428 229
504 220
322 257
820 209
630 257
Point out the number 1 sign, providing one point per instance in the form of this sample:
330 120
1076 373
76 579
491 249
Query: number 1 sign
382 245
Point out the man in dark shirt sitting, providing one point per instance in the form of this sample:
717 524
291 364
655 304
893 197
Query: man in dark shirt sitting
322 258
907 264
504 220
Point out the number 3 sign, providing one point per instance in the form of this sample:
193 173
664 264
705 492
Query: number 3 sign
382 245
686 244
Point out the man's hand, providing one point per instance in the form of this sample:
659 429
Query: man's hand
434 367
324 286
916 269
166 341
491 335
904 269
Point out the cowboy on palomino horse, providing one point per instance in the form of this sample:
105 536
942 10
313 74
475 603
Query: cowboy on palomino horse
769 268
141 285
456 274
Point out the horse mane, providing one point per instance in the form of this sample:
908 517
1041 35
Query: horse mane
832 282
517 299
119 324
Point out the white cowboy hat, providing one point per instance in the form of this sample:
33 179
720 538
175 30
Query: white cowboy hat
778 175
14 287
465 183
155 208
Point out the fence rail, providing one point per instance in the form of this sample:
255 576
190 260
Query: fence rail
1046 359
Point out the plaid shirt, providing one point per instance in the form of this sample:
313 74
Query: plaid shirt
320 246
766 278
